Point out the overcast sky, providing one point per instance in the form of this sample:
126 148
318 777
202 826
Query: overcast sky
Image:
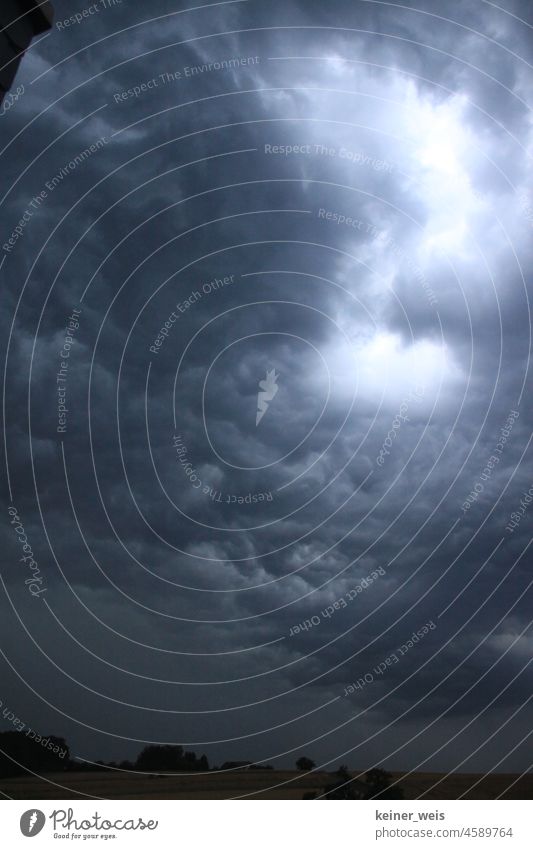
333 200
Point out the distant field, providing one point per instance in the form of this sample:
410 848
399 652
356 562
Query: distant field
257 785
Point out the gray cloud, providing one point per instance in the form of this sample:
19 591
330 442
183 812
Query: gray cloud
416 130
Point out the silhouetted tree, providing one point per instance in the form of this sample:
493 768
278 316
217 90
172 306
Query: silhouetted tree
345 787
170 759
379 781
155 758
375 786
21 751
305 764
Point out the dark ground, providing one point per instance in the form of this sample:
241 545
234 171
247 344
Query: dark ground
271 784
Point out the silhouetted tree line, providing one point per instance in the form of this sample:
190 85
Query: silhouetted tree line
171 759
22 752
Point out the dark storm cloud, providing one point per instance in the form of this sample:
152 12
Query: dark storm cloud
424 143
